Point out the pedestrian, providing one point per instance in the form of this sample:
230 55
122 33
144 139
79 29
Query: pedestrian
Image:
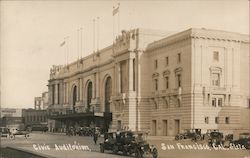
95 136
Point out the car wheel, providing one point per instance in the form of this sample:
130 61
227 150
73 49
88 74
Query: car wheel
198 137
124 152
155 153
12 136
115 150
138 154
176 137
27 136
101 148
180 137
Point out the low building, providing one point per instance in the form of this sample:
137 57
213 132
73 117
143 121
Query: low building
33 117
41 102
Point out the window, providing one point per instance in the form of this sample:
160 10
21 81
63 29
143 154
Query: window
179 80
178 102
167 82
207 120
167 61
214 102
156 84
178 57
220 102
216 56
215 79
216 120
156 64
227 120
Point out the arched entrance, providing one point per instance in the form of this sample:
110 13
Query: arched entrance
108 92
74 98
89 95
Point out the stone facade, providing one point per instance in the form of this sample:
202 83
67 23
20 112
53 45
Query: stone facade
160 82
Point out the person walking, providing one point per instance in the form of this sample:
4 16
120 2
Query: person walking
95 136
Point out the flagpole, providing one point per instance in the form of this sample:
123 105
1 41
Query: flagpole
77 44
98 33
67 50
81 41
93 35
118 18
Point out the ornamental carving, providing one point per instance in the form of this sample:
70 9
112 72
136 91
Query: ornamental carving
166 73
178 70
155 75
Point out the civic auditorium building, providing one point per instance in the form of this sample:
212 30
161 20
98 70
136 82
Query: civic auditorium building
157 82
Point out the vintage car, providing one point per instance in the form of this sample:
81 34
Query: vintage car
215 138
109 142
142 147
194 134
19 132
128 143
4 132
244 139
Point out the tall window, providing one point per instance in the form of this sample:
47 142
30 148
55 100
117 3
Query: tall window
227 120
53 94
167 82
214 102
216 56
207 120
133 74
123 76
156 84
156 64
179 80
217 120
108 92
220 102
89 95
167 61
178 57
215 79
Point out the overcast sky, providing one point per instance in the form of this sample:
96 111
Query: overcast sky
31 33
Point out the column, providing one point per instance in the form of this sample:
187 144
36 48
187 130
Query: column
56 94
97 80
118 78
80 89
130 75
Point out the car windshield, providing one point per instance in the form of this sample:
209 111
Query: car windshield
140 137
4 130
245 136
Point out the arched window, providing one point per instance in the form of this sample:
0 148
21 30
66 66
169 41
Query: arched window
74 98
89 95
108 92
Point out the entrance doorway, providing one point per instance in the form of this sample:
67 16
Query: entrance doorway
165 127
177 126
89 96
153 127
74 98
108 92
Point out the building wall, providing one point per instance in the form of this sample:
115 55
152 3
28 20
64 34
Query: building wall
137 105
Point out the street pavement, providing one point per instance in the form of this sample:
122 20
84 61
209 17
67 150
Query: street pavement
167 147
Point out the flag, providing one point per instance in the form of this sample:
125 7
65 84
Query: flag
62 44
115 10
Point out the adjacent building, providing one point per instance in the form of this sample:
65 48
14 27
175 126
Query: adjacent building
41 102
157 82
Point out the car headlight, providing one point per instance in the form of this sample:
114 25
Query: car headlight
142 147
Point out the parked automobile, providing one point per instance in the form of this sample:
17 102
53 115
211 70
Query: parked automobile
194 134
18 132
109 142
215 139
4 132
128 143
244 139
